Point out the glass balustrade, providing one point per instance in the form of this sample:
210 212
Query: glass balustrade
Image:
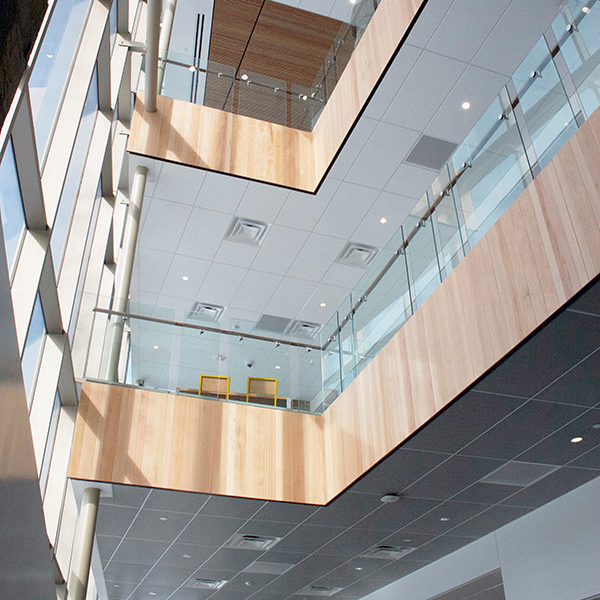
165 348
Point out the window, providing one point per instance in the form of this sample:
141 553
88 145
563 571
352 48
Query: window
68 197
11 206
52 67
112 19
49 449
34 343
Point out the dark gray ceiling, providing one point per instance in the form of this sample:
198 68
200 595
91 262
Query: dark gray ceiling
525 412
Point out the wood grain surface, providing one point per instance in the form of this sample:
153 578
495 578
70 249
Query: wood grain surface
543 250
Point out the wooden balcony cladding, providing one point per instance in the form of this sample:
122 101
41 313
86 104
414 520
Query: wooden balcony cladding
207 138
543 250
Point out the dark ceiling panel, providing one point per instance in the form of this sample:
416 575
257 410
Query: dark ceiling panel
345 510
440 547
394 516
352 542
115 520
490 520
590 460
444 518
119 591
140 552
154 591
308 538
186 555
176 501
125 573
486 493
316 566
210 531
158 525
168 575
397 569
127 495
231 507
285 512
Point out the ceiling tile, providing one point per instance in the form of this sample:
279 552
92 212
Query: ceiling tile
173 576
589 301
233 253
186 556
151 268
514 434
279 249
352 542
302 210
398 71
210 531
428 22
590 460
119 591
343 275
316 566
224 506
140 552
462 422
164 225
381 155
107 545
341 10
363 129
221 193
459 36
308 538
394 516
285 512
490 520
257 581
335 297
485 493
230 559
160 592
114 520
268 528
440 547
345 510
194 269
346 210
186 180
158 525
410 181
203 233
125 572
256 290
287 584
126 495
262 202
221 284
290 297
424 91
364 586
397 569
442 519
315 257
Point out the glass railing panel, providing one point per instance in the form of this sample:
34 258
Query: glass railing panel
348 341
331 361
548 114
219 88
581 49
491 169
262 97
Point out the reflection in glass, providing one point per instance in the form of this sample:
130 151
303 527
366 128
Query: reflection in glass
52 67
50 439
11 206
32 352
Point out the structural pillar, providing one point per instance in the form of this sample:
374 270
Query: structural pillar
83 545
125 270
165 40
152 42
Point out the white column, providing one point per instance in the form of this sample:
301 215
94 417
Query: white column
165 40
152 43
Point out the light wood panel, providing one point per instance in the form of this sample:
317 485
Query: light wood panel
543 250
207 138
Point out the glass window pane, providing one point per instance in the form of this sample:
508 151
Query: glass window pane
53 66
11 205
33 348
113 24
62 221
49 449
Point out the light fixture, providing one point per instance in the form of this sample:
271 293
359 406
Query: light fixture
192 68
576 440
186 556
323 304
201 331
277 344
185 278
444 518
358 568
249 583
241 338
308 350
245 76
277 367
49 55
596 426
383 220
465 105
353 1
407 540
586 9
304 97
163 519
116 585
388 498
155 347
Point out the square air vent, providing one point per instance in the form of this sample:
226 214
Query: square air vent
519 474
272 323
430 152
202 311
247 231
268 568
357 255
319 590
242 541
205 584
305 329
387 552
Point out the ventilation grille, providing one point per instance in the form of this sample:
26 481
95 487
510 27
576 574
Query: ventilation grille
268 568
305 329
519 474
320 590
247 231
206 312
251 542
430 152
272 323
357 255
206 584
387 552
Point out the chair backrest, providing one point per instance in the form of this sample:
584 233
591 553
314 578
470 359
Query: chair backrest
214 385
262 388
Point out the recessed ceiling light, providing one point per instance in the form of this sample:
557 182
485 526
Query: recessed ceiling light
186 556
358 569
596 426
388 498
576 440
407 540
185 278
245 76
49 55
116 585
163 518
192 68
277 367
586 9
353 1
383 220
323 304
465 105
444 518
155 347
249 583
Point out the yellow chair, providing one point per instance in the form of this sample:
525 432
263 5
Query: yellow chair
216 386
261 387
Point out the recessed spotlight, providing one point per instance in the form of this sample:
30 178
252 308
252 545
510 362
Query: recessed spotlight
407 540
383 220
596 426
185 278
388 498
249 583
163 519
186 556
277 367
576 440
304 97
444 518
192 68
586 9
465 105
245 76
116 585
358 568
323 304
155 347
353 1
49 55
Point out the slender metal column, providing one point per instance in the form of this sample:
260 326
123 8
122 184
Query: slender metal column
152 37
125 269
165 40
83 545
